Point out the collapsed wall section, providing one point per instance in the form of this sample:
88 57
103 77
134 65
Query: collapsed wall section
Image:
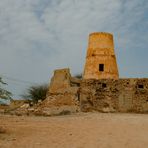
62 96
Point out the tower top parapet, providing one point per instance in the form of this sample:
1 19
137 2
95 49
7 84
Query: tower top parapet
100 40
101 33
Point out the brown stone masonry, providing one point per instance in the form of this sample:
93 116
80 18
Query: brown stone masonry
123 95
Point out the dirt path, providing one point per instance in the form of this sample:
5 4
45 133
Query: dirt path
91 130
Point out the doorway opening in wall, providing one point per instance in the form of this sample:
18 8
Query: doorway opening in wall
101 67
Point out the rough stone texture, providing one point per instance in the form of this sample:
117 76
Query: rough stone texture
133 95
3 107
19 103
100 51
123 95
62 96
60 81
19 107
69 94
99 95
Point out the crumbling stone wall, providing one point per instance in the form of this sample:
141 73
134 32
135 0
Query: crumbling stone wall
123 95
67 93
62 95
133 95
63 84
99 95
19 103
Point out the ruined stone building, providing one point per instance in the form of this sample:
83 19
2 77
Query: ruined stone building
100 89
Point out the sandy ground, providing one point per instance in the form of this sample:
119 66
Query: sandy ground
85 130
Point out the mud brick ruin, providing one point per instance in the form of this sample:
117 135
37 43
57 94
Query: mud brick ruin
100 89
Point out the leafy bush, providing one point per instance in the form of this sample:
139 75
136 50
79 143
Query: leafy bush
4 94
36 93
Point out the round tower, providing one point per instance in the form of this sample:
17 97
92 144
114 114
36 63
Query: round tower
100 59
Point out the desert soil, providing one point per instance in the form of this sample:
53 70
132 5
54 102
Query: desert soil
84 130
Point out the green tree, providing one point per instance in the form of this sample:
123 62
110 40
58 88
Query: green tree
36 93
4 94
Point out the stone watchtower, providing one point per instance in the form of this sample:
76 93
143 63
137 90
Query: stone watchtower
100 59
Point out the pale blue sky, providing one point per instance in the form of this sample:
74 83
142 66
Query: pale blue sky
38 36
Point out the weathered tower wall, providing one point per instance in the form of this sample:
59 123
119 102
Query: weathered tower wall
100 59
